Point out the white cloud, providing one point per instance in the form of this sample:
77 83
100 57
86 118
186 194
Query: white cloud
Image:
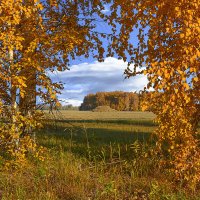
106 9
87 78
73 102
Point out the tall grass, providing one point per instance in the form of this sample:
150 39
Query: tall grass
94 160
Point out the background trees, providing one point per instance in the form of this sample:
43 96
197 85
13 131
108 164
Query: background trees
169 48
118 100
36 39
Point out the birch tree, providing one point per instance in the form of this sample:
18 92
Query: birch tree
38 38
168 47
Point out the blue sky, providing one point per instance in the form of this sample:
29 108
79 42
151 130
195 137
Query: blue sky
90 77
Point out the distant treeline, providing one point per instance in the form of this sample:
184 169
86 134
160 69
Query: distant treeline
118 100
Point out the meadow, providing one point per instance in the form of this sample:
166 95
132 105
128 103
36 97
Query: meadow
95 156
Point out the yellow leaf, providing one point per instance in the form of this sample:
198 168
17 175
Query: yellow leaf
195 79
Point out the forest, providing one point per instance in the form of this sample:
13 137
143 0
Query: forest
118 100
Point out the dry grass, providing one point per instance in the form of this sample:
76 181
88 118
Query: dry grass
89 115
95 156
103 109
67 177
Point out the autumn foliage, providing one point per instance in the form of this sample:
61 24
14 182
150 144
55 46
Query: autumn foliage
38 38
169 48
118 100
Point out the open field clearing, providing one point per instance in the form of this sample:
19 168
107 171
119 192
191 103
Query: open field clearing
89 115
95 156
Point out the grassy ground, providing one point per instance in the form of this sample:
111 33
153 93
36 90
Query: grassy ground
95 156
88 115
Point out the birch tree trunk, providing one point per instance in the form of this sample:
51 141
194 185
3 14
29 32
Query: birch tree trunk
12 88
27 104
13 97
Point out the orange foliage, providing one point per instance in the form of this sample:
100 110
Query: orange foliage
118 100
169 48
37 38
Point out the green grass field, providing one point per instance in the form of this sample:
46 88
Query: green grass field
95 156
97 131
